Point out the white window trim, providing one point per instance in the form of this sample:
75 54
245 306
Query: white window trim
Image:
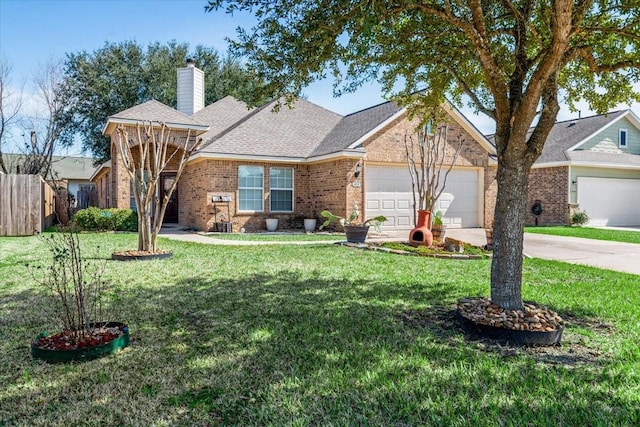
250 188
626 138
292 189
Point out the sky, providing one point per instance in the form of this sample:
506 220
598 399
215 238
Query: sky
33 32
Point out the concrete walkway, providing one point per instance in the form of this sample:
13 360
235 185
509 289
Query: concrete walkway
623 257
176 233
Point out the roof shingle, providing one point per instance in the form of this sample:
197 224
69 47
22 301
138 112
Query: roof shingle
291 132
353 126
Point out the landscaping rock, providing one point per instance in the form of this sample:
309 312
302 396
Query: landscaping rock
532 318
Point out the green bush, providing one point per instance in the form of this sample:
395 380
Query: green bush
579 218
93 219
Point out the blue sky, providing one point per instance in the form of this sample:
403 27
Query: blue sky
34 31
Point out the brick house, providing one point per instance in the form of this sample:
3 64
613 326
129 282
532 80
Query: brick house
590 164
256 164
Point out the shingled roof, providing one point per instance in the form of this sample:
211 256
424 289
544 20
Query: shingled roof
306 130
354 126
568 133
221 115
291 132
153 111
62 167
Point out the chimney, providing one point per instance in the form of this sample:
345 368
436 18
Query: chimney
190 88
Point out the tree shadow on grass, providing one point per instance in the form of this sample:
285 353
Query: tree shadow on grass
289 348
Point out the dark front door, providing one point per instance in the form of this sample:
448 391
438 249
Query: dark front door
171 214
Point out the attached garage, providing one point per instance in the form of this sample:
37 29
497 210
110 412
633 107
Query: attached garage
610 201
389 193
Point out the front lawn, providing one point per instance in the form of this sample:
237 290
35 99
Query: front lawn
589 233
319 335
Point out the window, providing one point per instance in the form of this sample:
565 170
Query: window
250 188
281 189
622 138
132 197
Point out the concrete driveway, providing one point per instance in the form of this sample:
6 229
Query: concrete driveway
624 257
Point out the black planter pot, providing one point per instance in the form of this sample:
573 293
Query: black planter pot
510 335
86 353
356 233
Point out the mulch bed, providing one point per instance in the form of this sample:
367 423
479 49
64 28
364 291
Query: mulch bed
90 338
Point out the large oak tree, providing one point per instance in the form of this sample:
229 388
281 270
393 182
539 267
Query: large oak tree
512 59
121 75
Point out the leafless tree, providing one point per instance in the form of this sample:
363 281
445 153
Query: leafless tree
427 154
147 149
44 125
10 106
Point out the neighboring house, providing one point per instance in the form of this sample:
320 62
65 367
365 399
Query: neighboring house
590 164
68 172
297 162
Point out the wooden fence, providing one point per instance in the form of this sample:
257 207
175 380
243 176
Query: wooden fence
27 205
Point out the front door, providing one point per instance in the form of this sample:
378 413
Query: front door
171 214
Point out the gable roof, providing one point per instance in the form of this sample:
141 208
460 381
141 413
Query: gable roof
153 111
303 132
291 132
569 134
354 126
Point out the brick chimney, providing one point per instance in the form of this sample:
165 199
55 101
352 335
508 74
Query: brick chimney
190 88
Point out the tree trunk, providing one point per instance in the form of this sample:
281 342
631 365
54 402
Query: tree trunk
508 232
145 241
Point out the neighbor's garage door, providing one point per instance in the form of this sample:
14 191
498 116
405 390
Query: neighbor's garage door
610 201
388 193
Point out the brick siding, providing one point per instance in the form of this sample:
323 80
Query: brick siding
550 186
317 186
206 178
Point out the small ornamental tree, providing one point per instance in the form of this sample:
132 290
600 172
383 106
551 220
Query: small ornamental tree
147 149
426 155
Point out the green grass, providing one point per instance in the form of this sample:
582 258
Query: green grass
279 237
589 233
289 335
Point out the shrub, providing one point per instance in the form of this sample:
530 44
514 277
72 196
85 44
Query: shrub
93 219
579 218
74 285
85 219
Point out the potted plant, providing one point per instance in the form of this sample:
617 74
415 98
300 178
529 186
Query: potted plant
438 229
355 230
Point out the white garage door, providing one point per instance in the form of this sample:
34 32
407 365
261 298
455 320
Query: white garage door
610 201
388 193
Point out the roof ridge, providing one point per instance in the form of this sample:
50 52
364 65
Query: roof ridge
592 116
372 107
